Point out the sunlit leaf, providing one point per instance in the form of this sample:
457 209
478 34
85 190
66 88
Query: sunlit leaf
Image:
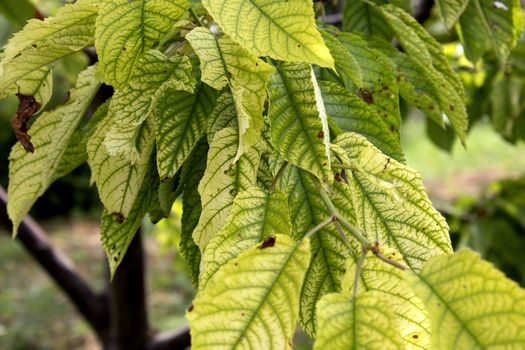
238 307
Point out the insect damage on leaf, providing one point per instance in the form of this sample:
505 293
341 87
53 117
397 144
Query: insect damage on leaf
27 107
119 217
267 243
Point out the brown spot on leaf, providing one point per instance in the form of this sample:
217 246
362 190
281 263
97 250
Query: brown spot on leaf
386 164
415 336
451 107
119 217
34 45
320 135
268 242
124 48
26 108
366 95
190 309
338 177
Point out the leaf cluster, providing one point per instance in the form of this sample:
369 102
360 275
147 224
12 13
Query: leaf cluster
282 138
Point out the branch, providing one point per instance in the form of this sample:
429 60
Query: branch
178 339
93 307
129 327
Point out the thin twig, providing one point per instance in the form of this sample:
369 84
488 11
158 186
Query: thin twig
278 176
360 264
353 230
196 17
377 252
320 226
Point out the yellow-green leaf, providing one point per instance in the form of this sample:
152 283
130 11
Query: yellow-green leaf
450 10
116 236
299 127
191 202
491 24
329 249
379 89
126 29
254 216
41 43
252 302
221 182
390 202
118 180
30 174
224 62
283 30
427 53
471 304
180 119
151 82
366 322
348 112
388 282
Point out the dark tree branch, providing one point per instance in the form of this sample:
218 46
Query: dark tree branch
179 339
423 10
129 329
92 307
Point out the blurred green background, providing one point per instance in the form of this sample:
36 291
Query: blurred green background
480 190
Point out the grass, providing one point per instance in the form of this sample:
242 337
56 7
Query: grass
464 171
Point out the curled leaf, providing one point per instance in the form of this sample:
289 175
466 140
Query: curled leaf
27 107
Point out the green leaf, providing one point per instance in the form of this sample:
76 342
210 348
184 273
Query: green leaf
118 180
222 181
497 25
450 10
30 174
180 120
126 29
329 250
72 27
76 151
360 17
116 236
379 87
154 79
40 43
363 323
428 55
270 28
38 84
224 62
223 115
346 64
299 128
471 304
254 216
390 202
238 308
415 85
388 282
348 112
191 203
